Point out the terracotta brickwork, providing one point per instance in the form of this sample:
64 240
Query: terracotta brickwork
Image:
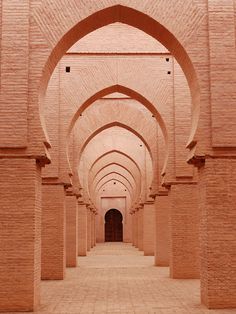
217 233
20 241
184 230
162 218
140 228
82 230
71 231
89 227
149 228
124 105
53 232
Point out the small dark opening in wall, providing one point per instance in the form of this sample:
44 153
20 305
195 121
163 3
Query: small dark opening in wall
125 190
153 116
167 59
169 72
141 145
68 69
114 183
81 115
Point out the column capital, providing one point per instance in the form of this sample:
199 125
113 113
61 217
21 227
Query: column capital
55 181
149 202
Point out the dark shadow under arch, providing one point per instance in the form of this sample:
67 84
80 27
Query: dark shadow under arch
113 226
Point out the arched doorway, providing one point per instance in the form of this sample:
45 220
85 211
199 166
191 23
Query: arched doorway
113 226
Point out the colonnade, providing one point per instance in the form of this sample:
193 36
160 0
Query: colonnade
91 121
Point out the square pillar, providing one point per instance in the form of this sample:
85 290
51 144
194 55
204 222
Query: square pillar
100 226
82 230
162 243
132 226
92 229
136 229
217 198
149 228
71 230
95 229
140 229
20 233
53 232
127 228
184 231
88 229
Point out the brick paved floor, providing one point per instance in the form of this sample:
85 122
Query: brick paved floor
117 278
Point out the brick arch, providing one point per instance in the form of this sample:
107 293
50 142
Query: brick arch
132 94
146 142
99 152
134 192
128 92
111 164
113 179
97 16
135 167
118 152
122 119
114 171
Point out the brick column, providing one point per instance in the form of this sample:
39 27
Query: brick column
217 196
53 231
184 231
88 229
140 228
82 229
162 243
132 226
95 231
149 228
100 234
20 232
136 229
92 229
71 230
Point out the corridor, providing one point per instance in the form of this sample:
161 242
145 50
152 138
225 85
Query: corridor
117 278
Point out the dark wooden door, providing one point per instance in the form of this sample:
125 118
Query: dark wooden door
113 226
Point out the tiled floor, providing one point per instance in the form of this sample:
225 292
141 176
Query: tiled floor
116 278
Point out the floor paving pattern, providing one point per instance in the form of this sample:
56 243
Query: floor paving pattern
117 278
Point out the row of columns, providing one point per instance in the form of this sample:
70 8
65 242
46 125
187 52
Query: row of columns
68 230
178 215
168 228
143 228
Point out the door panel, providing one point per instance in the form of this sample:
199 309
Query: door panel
113 226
